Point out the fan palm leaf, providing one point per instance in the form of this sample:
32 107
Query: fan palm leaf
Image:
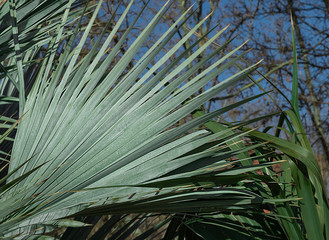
91 136
97 136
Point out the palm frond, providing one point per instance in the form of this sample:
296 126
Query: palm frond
97 136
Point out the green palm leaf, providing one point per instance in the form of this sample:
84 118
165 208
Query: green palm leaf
96 137
93 137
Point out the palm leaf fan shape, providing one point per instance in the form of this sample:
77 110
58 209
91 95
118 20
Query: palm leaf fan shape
94 136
